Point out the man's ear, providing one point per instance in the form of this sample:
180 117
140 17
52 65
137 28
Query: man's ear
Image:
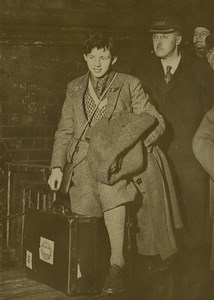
114 60
85 57
178 39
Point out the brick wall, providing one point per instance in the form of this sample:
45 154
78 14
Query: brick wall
32 87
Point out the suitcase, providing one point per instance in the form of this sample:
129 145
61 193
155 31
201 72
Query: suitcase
66 251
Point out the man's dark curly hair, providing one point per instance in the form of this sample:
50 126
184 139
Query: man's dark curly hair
101 40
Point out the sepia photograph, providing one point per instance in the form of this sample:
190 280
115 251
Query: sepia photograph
107 149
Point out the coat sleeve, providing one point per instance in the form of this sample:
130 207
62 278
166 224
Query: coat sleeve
64 133
142 104
205 77
203 143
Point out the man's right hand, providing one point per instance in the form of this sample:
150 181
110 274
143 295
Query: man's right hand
55 179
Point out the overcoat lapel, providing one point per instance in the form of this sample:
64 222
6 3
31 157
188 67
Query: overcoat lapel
113 96
157 77
175 80
78 94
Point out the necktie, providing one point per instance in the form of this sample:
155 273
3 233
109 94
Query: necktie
168 74
99 87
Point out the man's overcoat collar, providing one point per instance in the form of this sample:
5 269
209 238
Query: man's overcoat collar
175 80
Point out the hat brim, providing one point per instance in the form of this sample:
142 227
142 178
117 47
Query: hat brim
162 30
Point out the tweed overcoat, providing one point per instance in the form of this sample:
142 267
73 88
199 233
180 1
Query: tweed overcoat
125 94
183 102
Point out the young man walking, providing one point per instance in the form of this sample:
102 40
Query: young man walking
101 92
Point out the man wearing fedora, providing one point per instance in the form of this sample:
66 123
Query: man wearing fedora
103 94
182 88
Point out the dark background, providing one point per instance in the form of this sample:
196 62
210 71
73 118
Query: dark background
40 52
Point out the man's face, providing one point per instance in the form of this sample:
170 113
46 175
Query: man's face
199 36
99 61
166 44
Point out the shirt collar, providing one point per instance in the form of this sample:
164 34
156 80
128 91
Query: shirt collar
104 81
174 64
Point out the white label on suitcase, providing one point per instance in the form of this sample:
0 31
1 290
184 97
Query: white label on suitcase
29 259
46 250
